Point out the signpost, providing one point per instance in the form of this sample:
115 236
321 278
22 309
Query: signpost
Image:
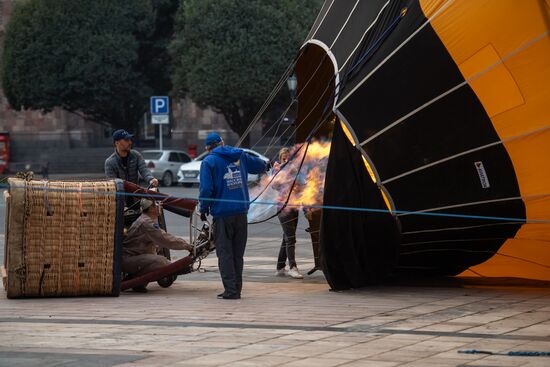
160 113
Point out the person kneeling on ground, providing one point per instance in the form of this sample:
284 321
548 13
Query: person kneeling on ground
145 237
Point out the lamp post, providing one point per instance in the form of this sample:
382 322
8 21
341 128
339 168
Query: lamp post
292 83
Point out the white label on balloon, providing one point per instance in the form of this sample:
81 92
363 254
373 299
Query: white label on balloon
482 175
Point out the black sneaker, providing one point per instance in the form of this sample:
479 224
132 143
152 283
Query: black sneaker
228 296
236 296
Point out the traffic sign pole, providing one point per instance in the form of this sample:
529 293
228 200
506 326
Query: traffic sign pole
160 113
160 136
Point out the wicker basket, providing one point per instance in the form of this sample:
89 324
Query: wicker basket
63 238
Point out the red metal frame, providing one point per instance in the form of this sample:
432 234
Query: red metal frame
4 151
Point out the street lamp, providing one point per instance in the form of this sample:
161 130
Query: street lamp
292 83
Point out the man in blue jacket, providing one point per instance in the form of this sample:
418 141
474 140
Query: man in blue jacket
224 195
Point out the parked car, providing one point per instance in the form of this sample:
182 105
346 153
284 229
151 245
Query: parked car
188 173
164 164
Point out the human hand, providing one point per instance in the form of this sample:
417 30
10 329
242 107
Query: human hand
154 182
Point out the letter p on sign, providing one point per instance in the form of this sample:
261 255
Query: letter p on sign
159 105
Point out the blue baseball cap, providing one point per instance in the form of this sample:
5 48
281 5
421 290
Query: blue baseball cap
212 139
122 134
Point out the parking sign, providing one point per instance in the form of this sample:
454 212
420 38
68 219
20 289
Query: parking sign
159 105
160 119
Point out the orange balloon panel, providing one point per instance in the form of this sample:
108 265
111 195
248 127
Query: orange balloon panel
508 68
518 259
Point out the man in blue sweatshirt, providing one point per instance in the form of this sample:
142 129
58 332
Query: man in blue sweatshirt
224 195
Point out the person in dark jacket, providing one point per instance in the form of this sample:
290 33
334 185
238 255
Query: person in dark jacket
125 163
224 195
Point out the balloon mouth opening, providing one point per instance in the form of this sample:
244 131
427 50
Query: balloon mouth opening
317 89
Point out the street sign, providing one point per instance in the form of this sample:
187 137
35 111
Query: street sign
160 119
160 110
160 105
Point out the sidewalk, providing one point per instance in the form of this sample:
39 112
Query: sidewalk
279 321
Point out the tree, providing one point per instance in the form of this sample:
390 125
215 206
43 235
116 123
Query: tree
99 59
229 54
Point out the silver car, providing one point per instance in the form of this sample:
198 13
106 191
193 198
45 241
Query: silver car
164 164
188 173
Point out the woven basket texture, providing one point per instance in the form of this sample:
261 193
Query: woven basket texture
67 238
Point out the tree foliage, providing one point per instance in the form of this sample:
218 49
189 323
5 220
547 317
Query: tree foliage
229 54
101 58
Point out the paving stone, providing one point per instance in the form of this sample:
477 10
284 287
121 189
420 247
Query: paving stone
500 361
540 362
370 363
435 345
154 360
66 359
217 359
317 362
402 355
542 329
282 322
262 361
447 326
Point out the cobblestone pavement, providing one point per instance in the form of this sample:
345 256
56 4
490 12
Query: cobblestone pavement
280 321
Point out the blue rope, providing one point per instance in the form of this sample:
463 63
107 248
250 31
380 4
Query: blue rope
273 203
511 354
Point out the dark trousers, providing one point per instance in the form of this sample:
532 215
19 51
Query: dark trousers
230 234
289 222
314 219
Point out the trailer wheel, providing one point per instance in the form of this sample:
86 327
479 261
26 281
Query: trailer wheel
167 281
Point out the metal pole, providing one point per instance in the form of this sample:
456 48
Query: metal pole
160 136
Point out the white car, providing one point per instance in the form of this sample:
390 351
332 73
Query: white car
188 173
164 164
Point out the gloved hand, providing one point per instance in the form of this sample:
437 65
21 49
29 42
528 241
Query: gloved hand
204 217
189 247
